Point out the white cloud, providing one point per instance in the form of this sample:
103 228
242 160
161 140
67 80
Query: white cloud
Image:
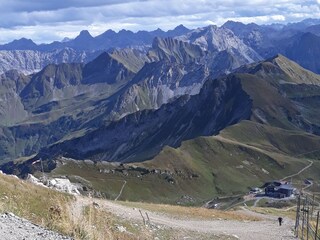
46 21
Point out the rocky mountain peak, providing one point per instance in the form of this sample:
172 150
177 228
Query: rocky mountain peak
108 33
215 40
84 35
282 71
21 44
180 28
231 23
66 39
97 65
177 31
23 41
124 31
105 69
296 73
159 30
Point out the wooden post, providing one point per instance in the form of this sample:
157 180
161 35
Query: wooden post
303 218
42 169
148 218
144 221
317 226
308 223
296 227
312 206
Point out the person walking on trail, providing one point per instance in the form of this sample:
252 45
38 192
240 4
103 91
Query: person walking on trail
280 219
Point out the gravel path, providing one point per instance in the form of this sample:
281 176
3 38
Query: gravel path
268 229
15 228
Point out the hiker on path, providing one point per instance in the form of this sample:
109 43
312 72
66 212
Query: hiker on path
280 220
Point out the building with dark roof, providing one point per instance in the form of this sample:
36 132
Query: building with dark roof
281 191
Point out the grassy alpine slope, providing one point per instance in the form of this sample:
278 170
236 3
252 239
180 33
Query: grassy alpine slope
242 156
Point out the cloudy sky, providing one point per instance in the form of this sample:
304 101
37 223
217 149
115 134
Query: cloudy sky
49 20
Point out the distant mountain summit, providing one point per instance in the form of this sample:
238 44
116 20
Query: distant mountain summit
84 38
21 44
215 39
177 31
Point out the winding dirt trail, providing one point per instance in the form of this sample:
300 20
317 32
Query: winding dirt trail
302 170
267 229
121 190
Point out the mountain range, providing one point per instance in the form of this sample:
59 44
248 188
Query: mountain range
266 40
28 57
221 107
109 39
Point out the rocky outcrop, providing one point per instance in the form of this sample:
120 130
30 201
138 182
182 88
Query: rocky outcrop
215 40
11 106
159 83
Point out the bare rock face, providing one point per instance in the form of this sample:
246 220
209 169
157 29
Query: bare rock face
173 50
30 61
159 83
32 179
11 107
215 40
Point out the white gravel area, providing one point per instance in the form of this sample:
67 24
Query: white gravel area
15 228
